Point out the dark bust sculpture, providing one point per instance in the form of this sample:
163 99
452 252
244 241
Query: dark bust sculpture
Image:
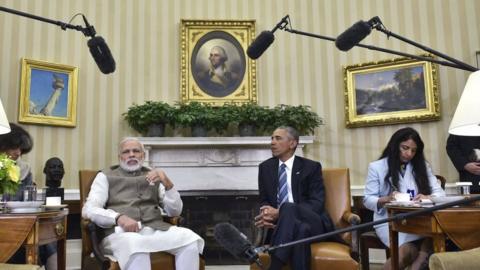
54 172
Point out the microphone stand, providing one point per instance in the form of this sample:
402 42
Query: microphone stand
87 31
455 64
368 224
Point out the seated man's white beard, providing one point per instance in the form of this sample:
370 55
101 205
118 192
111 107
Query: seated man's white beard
131 168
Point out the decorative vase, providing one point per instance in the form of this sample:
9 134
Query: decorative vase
156 130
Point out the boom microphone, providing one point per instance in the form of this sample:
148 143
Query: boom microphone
236 243
263 41
102 55
353 35
99 49
260 44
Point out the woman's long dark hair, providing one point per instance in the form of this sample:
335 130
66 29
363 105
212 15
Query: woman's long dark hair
392 153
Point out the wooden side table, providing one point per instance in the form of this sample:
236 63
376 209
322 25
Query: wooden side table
50 226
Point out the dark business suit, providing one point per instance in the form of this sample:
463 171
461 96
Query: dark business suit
303 218
459 148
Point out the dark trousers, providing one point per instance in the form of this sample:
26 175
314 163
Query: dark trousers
295 223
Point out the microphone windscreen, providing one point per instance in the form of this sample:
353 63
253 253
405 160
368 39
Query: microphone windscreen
231 239
353 35
102 55
260 44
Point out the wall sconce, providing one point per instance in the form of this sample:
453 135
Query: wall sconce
477 53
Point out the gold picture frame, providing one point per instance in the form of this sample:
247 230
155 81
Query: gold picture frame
395 91
48 93
221 43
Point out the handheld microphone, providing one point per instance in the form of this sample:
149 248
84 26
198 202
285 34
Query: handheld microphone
264 40
236 243
353 35
99 49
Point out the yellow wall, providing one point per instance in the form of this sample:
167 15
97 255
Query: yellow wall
144 38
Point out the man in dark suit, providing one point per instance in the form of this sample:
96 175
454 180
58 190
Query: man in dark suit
460 151
300 213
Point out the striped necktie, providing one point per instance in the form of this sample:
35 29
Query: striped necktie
282 195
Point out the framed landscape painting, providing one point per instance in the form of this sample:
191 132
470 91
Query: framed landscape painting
394 91
48 93
214 66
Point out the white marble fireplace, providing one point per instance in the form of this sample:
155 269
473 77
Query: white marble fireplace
211 163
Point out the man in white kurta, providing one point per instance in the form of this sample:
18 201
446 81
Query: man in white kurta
127 201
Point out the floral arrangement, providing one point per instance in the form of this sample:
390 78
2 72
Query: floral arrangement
9 175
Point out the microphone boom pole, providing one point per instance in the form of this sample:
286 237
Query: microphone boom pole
459 64
375 48
368 224
62 25
98 47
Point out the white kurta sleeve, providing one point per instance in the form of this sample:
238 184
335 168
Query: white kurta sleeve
172 203
93 208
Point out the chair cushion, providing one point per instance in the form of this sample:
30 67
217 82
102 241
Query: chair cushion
7 266
465 260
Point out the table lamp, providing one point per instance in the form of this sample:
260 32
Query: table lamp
466 120
4 126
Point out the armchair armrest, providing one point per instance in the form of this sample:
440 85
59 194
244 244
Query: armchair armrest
91 229
353 219
260 237
177 220
104 262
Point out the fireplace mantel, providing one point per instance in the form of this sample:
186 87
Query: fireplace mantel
211 163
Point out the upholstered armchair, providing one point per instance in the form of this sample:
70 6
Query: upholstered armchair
91 241
465 260
332 255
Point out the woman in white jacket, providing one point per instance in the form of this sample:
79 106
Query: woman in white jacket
402 168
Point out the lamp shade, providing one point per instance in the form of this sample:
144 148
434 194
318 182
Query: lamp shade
4 126
466 120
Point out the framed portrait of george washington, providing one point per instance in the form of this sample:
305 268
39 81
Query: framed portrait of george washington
48 93
394 91
214 66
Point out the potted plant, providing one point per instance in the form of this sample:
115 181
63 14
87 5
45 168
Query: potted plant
249 117
200 117
149 118
222 117
300 117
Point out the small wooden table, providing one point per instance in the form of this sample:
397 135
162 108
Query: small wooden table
460 224
49 226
